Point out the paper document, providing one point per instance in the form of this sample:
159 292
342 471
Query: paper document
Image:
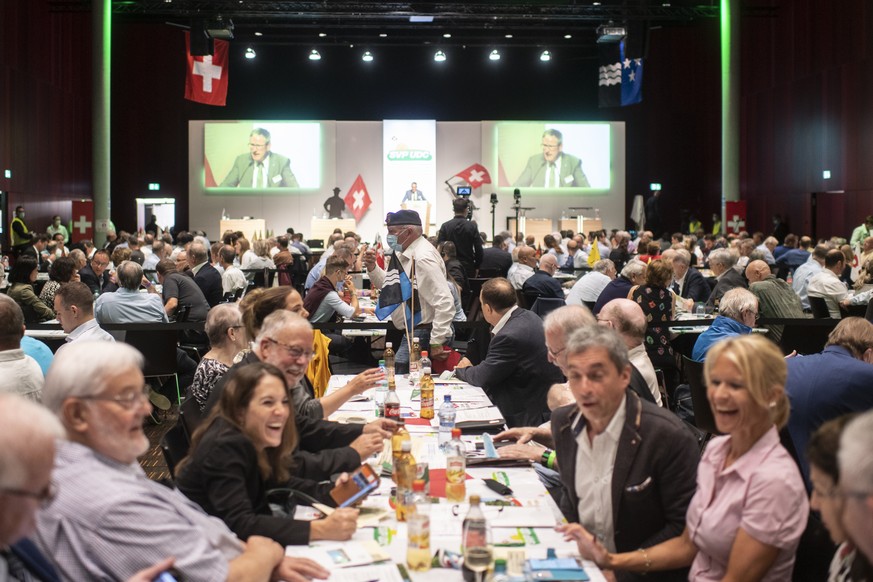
335 555
386 572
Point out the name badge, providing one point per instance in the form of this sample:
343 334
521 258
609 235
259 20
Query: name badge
277 179
568 179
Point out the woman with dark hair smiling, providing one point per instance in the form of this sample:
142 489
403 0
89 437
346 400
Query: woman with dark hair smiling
21 279
243 449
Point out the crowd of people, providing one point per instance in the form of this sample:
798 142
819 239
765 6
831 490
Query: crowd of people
586 391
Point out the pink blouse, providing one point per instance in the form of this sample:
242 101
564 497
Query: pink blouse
762 492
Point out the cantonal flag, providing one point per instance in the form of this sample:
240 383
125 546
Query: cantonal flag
475 175
206 76
358 199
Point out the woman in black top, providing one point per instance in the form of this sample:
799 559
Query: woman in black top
242 450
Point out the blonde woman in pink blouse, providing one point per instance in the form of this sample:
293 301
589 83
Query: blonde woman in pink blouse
745 520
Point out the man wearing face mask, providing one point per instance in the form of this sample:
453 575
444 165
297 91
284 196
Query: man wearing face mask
421 261
21 236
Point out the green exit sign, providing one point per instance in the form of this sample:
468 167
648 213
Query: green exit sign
154 186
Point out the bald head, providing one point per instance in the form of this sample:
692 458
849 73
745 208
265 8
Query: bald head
527 256
549 264
627 318
757 271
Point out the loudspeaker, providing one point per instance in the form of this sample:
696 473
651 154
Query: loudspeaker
201 42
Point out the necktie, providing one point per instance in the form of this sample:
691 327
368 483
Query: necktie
259 183
676 288
568 264
553 175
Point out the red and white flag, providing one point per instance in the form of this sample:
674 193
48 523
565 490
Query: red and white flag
475 175
358 199
206 77
82 223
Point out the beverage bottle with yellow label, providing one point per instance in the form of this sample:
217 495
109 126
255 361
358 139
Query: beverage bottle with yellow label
456 469
404 475
427 390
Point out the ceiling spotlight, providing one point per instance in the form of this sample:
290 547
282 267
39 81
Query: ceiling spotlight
545 56
383 34
314 55
507 36
322 34
250 53
447 35
495 55
439 56
367 57
259 33
568 36
596 3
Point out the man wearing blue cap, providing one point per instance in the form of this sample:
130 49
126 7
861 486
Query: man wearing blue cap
422 264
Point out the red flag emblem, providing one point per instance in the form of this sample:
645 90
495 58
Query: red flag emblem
358 199
82 221
206 77
475 175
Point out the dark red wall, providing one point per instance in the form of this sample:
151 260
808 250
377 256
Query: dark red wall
806 95
45 108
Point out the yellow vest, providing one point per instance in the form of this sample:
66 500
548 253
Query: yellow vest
14 236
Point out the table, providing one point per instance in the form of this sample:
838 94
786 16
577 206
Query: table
535 502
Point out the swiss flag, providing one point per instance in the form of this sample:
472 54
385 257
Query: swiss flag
82 224
475 175
735 212
358 199
206 77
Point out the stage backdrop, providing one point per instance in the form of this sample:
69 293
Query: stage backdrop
333 154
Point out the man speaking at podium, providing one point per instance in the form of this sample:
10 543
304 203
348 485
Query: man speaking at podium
260 168
553 168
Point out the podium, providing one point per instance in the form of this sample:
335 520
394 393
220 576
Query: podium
422 207
322 228
538 227
248 226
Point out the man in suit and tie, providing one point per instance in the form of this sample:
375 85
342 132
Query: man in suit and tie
727 277
35 249
260 168
611 445
514 372
95 274
688 283
413 194
206 276
553 168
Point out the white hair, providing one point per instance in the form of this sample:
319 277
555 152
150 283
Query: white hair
856 461
278 320
27 427
75 373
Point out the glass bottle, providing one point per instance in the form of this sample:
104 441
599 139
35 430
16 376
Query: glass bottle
418 556
456 469
474 543
404 475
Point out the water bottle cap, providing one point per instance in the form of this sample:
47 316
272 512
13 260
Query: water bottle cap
406 446
456 433
423 353
447 398
475 500
418 485
381 362
388 345
426 370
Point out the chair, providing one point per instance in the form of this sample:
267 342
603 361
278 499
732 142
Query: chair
475 309
819 307
805 339
545 305
174 445
158 348
530 297
190 416
703 417
868 315
519 298
489 273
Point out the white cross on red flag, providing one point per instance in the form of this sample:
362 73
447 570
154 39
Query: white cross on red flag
358 199
475 175
206 77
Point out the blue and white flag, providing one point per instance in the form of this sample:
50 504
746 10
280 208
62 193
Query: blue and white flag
397 289
621 76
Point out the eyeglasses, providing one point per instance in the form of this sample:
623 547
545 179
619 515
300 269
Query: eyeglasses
44 497
558 353
293 351
258 146
96 264
126 400
550 147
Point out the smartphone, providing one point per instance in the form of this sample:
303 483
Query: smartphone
171 575
360 484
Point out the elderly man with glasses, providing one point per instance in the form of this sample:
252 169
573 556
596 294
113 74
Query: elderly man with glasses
108 519
260 168
553 168
285 341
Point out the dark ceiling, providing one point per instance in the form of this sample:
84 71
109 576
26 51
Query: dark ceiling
384 24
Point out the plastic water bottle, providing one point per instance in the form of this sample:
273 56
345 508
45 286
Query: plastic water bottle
447 415
381 391
418 554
